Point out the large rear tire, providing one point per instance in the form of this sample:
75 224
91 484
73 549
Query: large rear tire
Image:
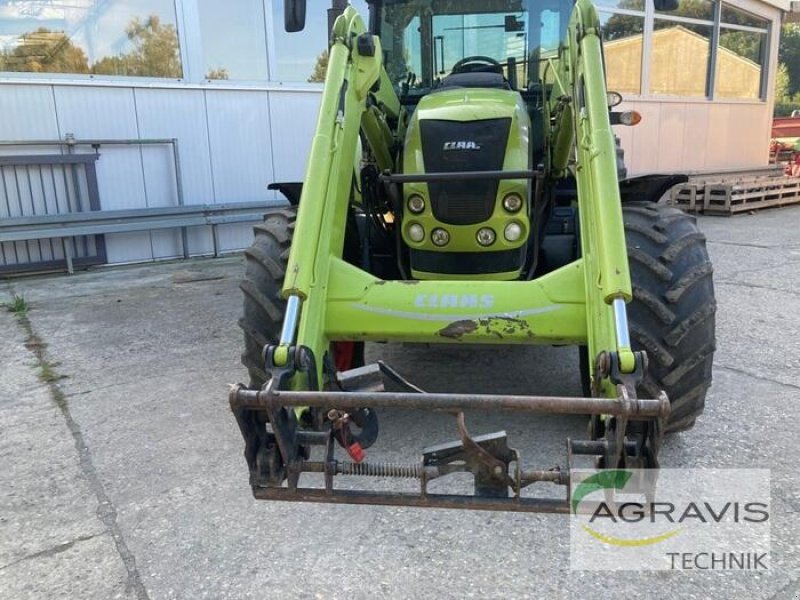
265 269
263 307
672 315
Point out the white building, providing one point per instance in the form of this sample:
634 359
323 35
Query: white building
703 78
226 82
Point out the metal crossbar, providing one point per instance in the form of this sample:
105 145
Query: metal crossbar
66 226
77 193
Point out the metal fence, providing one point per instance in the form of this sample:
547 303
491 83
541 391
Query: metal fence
49 184
41 185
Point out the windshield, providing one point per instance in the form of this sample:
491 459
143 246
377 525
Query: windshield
423 40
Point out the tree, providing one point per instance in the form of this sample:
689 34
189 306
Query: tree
782 84
218 73
789 55
743 43
44 51
112 65
320 69
155 52
622 26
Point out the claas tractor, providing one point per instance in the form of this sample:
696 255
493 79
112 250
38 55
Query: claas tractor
465 186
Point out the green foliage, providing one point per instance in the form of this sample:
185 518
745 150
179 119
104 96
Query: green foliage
781 83
155 53
787 79
621 26
789 54
44 51
47 373
320 69
785 109
219 73
18 305
743 43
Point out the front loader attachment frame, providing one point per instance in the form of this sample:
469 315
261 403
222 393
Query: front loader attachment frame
499 476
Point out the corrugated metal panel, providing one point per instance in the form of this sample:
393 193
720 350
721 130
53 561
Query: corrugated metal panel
32 189
179 114
34 115
294 118
241 153
105 112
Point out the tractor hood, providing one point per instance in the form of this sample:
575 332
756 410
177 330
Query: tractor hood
461 130
467 129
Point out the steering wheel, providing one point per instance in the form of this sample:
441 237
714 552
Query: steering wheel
477 63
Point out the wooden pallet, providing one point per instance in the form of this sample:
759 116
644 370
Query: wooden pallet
728 198
686 196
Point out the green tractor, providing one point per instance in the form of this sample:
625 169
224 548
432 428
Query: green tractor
464 186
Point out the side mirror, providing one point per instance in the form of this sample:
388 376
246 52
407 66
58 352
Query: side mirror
613 99
666 4
294 15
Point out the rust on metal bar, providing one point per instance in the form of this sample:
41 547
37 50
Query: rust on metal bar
531 505
631 408
556 476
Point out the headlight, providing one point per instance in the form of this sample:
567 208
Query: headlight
416 203
416 233
485 236
440 237
512 202
513 231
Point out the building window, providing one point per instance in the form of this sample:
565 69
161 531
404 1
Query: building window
681 49
676 50
233 39
742 55
303 56
136 38
680 58
623 36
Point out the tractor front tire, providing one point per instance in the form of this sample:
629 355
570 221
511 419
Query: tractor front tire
266 260
673 309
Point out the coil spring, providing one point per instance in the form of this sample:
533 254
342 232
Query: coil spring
379 470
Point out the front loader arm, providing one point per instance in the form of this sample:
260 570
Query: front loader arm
354 67
580 107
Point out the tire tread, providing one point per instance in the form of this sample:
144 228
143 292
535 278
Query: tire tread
263 306
672 314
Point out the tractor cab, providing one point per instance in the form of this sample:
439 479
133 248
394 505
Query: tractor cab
440 44
468 74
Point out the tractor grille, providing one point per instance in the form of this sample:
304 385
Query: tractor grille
468 263
456 146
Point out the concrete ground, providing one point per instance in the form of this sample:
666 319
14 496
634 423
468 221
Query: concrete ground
123 476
